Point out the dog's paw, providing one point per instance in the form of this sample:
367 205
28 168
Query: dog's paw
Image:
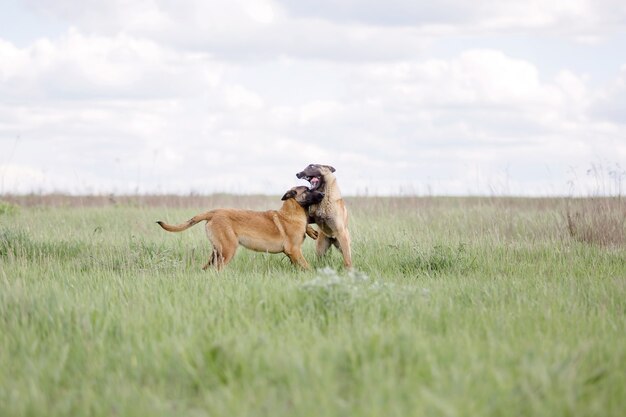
313 234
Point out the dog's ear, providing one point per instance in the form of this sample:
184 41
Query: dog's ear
331 168
289 194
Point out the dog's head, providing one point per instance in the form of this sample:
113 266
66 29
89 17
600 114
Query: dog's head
314 173
304 196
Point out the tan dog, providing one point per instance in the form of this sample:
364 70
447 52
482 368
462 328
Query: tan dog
330 214
272 231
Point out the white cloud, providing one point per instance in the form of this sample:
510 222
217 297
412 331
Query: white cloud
319 111
610 103
262 11
476 77
121 67
237 96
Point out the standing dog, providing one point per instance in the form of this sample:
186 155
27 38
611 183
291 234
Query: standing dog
272 231
330 214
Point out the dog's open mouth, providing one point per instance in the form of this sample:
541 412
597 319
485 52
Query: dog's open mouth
314 181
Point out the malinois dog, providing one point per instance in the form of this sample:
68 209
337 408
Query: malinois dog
272 231
330 214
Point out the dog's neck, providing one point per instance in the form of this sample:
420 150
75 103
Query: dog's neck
331 188
292 205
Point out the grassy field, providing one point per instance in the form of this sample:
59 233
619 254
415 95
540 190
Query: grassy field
457 307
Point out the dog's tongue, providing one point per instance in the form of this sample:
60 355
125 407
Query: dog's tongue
314 182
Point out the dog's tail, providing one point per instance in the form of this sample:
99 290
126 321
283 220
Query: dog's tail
184 226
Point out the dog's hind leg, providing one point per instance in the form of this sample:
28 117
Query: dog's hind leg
227 256
220 244
213 260
228 247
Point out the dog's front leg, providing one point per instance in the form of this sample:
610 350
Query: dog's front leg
313 234
297 258
322 245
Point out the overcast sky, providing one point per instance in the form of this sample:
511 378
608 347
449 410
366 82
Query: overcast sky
400 96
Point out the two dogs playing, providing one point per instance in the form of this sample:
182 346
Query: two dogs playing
282 230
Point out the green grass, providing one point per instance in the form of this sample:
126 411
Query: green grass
457 307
